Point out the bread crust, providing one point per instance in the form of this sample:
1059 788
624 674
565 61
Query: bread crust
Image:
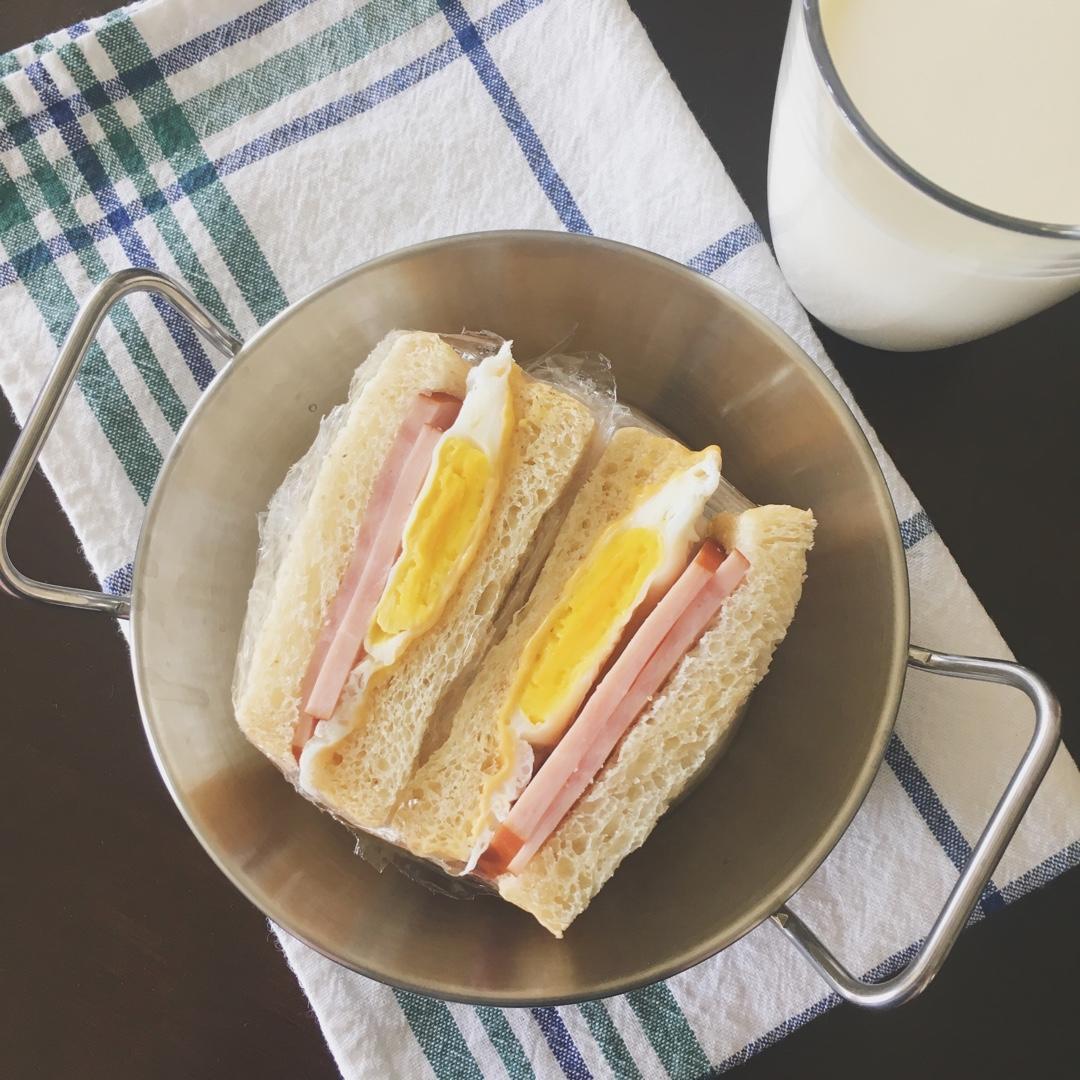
378 777
364 777
322 539
360 780
446 797
670 740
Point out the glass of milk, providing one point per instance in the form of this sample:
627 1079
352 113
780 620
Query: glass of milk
924 165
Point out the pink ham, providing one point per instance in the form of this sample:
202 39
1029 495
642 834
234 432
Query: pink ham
670 629
377 542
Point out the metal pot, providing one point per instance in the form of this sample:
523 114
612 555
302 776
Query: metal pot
700 362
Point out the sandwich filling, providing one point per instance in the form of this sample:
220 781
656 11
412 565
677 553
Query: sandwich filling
625 617
663 638
428 510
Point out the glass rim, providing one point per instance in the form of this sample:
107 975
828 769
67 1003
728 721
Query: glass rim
815 33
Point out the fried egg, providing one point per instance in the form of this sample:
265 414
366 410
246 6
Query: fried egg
451 512
440 540
635 558
640 554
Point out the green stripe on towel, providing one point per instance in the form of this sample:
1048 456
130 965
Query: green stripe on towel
44 189
176 141
103 391
668 1031
505 1042
301 65
121 156
439 1037
607 1037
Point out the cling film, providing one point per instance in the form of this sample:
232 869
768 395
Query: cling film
589 378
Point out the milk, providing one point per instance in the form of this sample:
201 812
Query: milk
982 97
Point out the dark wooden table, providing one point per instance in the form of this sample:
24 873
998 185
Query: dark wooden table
127 954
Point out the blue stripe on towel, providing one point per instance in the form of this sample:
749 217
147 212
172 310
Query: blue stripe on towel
915 528
119 581
335 112
937 818
553 185
562 1045
726 248
244 26
89 164
185 55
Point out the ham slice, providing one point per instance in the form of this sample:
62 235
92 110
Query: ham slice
377 543
669 630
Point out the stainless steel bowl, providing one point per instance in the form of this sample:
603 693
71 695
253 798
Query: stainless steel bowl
702 363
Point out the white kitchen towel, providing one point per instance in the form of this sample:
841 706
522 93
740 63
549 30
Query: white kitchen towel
254 151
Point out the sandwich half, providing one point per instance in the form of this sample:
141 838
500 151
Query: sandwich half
645 633
389 551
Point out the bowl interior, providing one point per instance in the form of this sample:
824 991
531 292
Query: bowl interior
701 363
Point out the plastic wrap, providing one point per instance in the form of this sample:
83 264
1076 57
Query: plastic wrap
279 521
588 378
726 499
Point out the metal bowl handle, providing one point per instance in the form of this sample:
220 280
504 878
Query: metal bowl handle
45 410
968 888
916 976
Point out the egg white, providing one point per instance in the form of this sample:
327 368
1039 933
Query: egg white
483 420
674 512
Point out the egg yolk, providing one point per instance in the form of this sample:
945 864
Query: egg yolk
581 629
443 525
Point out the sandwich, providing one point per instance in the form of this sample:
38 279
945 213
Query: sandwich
385 557
478 636
644 635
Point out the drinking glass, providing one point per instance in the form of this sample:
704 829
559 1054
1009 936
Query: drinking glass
873 248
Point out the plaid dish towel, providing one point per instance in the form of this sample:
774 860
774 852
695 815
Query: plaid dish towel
254 150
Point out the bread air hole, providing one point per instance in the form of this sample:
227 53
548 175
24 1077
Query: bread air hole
487 598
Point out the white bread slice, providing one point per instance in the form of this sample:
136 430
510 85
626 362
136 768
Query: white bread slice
276 649
440 806
670 740
362 779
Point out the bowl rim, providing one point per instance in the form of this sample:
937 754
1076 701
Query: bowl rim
891 691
